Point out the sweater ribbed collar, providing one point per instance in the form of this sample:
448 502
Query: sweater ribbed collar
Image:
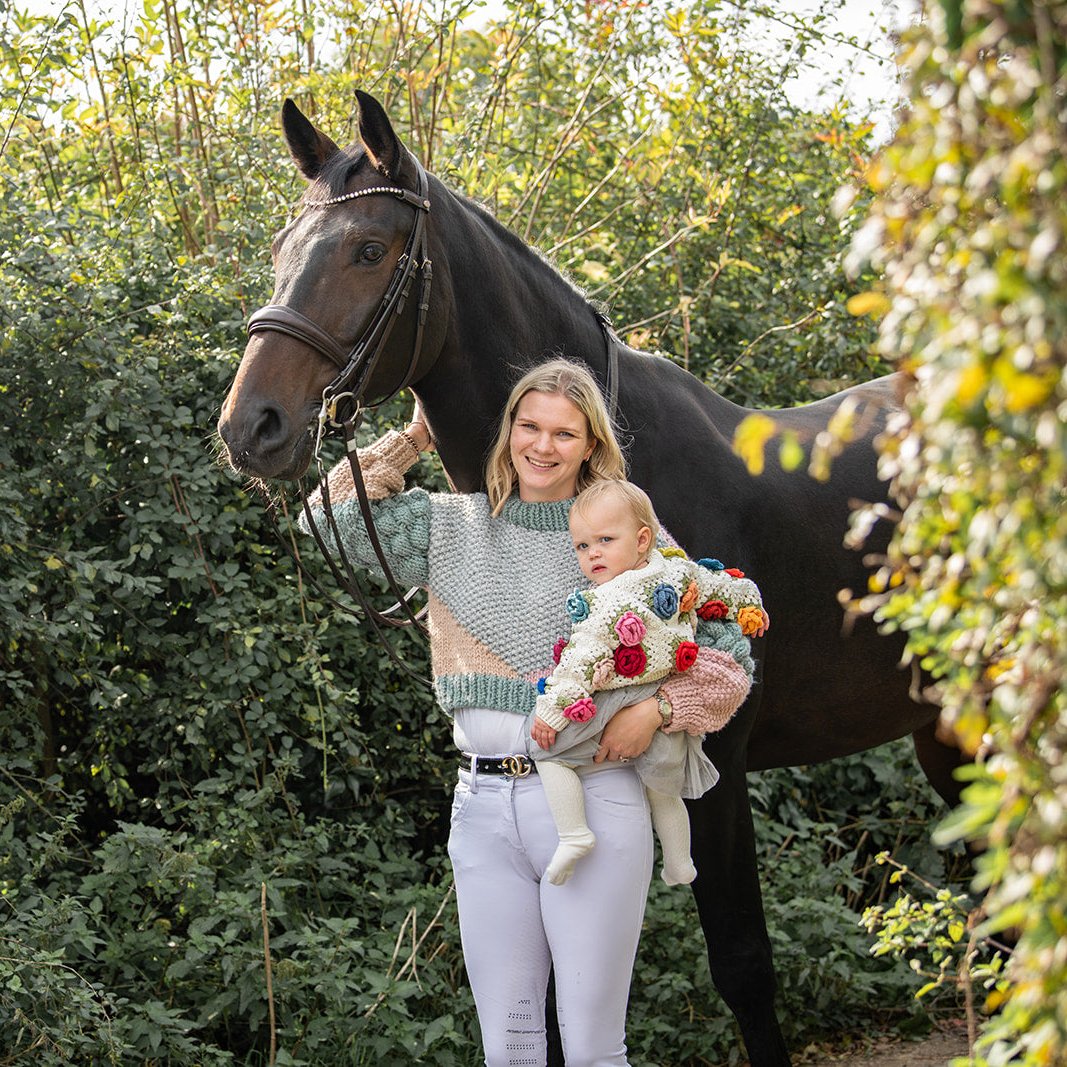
534 515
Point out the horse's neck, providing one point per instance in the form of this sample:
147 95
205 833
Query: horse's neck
509 311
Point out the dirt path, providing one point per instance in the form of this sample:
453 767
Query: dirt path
938 1049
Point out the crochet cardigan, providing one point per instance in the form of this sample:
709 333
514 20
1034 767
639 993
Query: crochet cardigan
497 587
639 627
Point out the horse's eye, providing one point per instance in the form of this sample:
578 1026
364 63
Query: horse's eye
372 253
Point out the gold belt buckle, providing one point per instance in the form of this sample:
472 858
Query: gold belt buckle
516 766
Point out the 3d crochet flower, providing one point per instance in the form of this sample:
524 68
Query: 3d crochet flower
541 683
710 564
577 606
557 649
603 672
630 629
664 600
581 710
630 660
733 572
671 552
713 609
750 620
686 655
689 598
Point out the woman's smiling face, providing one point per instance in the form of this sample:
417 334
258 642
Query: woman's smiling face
550 440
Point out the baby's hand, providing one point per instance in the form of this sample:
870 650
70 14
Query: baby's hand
542 733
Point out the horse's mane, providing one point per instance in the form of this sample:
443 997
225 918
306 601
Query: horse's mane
518 247
350 161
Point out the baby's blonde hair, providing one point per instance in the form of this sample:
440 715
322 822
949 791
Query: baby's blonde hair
632 496
573 381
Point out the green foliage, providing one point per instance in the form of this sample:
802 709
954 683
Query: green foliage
971 228
183 721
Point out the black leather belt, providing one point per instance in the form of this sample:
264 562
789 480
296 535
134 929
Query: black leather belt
518 766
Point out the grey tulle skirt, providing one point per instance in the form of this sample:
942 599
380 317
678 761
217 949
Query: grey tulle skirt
674 764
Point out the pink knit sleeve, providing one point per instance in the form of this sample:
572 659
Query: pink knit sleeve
704 698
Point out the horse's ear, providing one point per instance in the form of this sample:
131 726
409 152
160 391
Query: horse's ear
376 132
309 147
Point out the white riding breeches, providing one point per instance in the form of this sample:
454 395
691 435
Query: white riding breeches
515 925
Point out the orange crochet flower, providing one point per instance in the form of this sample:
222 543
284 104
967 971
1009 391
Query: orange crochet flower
750 620
689 598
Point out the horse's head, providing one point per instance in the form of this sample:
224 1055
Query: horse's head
330 322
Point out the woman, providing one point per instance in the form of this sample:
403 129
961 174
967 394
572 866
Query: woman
498 567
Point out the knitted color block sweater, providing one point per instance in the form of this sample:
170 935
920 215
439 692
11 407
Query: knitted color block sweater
640 627
497 586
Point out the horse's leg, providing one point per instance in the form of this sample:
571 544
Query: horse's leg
555 1042
729 902
939 761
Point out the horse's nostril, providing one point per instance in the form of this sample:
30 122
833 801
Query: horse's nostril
271 428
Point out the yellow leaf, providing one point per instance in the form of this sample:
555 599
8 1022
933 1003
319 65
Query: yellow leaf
53 564
873 304
750 439
972 381
595 271
790 454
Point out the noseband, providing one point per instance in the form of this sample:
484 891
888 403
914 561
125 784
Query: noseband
356 364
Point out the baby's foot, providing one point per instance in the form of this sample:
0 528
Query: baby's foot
679 873
571 848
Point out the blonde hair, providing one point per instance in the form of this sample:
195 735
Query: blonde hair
574 382
633 497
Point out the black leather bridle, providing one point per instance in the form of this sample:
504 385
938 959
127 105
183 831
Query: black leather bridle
356 364
344 402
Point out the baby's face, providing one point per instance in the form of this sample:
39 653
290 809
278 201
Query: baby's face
608 540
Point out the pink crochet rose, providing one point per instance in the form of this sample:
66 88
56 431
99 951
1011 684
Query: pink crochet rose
580 711
630 661
603 672
557 649
630 628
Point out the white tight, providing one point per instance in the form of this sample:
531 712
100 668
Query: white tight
515 925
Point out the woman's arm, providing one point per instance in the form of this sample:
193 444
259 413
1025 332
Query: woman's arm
401 520
704 698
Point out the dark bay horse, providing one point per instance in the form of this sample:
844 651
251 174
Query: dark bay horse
495 308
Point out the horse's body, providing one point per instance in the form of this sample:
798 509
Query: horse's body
826 688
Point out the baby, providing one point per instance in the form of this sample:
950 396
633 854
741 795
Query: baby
634 629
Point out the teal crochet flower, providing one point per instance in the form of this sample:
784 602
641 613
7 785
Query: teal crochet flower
577 606
711 564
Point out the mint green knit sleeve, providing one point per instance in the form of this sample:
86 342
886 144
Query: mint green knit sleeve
727 637
403 526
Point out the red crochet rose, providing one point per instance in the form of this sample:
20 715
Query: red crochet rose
713 609
734 572
686 655
557 649
630 660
